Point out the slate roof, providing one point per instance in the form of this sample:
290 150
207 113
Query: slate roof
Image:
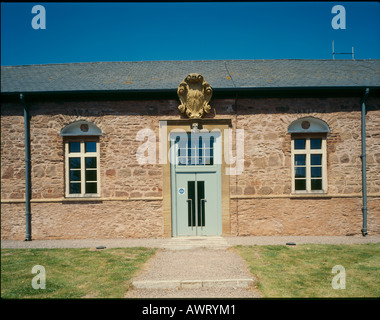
166 75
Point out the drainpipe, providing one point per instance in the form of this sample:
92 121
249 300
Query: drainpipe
364 170
28 216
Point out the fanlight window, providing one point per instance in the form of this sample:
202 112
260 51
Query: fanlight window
308 125
81 128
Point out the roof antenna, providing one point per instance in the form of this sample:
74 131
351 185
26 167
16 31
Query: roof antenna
334 53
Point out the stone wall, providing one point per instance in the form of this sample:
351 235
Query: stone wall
261 201
267 144
82 220
12 152
292 216
131 194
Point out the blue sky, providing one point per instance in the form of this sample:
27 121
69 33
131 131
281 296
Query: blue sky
85 32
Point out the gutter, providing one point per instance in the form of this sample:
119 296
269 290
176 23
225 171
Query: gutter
171 93
28 216
364 164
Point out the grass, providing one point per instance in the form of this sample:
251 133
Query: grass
302 271
71 273
305 271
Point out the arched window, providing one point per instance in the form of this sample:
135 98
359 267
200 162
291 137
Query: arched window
82 160
309 157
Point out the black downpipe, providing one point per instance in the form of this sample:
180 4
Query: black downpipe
364 165
28 215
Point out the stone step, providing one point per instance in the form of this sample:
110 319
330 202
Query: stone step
183 243
192 284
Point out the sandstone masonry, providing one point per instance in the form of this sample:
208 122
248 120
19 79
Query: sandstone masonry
131 197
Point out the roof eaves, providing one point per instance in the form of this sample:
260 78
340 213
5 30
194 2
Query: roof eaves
219 93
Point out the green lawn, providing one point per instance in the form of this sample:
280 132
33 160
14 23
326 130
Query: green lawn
305 271
302 271
71 273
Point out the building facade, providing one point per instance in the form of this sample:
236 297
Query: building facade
151 149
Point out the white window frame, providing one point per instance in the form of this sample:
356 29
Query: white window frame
82 155
206 149
308 152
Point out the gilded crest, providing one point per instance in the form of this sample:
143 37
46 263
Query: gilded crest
195 94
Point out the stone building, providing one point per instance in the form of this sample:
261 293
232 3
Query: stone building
173 148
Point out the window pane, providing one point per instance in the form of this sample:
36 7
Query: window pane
90 146
212 140
300 184
91 162
299 144
315 143
91 187
200 152
74 163
90 175
316 159
74 175
74 147
182 160
299 159
195 151
75 188
300 172
316 184
316 172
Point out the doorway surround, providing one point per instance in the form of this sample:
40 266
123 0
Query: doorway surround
168 126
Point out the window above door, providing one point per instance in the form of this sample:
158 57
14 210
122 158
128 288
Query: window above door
195 149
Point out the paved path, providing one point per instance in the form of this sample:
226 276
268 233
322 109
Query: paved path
163 242
190 267
194 273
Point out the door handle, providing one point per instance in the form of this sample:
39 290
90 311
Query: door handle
191 211
202 211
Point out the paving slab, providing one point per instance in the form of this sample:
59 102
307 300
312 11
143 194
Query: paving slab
157 284
191 284
187 243
282 240
194 293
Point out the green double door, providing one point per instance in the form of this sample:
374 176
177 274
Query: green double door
197 204
196 185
